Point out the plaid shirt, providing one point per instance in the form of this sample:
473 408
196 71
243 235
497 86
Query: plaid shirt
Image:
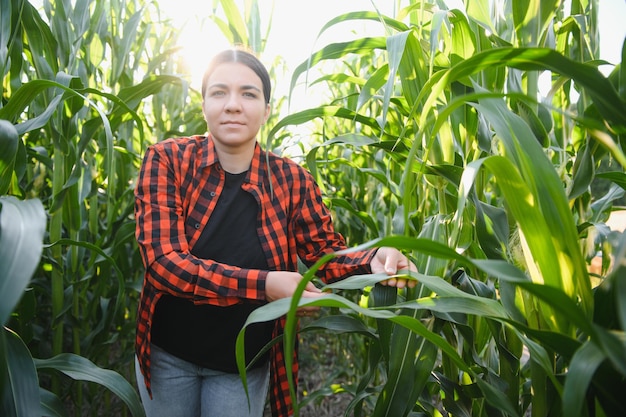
178 187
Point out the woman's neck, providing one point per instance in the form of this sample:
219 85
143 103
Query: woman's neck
235 160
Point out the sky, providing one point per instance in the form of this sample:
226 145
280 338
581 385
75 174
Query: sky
296 24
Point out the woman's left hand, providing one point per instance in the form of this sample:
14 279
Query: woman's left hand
390 261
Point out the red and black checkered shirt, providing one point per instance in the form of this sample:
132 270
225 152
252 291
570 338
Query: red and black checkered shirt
178 187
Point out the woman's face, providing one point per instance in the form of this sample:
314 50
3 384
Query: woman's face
234 106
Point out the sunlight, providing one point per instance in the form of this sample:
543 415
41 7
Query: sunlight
295 29
199 37
292 37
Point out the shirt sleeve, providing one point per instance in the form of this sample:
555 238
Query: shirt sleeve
164 246
317 237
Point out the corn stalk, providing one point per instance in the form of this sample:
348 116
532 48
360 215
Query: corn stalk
486 181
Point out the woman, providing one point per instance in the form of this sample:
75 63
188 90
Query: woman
218 242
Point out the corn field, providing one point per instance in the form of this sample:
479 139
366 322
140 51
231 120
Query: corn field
438 139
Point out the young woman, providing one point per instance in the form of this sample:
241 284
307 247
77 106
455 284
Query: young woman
217 243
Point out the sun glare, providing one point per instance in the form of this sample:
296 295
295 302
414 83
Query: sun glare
198 37
293 35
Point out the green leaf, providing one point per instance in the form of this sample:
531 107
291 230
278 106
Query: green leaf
463 39
616 177
339 325
236 29
8 150
22 227
82 369
531 18
495 397
396 45
480 12
317 112
51 404
581 370
338 50
620 284
599 88
19 390
365 15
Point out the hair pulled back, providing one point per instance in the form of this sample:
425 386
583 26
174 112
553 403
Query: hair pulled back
245 58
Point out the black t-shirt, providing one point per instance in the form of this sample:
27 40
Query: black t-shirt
206 334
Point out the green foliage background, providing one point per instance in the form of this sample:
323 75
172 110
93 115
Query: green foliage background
436 141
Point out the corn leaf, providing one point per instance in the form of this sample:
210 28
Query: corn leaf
22 226
82 369
19 386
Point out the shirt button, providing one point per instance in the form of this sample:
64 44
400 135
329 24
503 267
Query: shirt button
197 226
212 193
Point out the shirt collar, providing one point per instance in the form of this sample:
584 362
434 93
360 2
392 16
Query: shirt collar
257 166
209 156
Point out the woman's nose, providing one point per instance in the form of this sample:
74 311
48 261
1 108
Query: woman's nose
233 104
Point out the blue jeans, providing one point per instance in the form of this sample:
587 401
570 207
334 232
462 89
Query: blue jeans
182 389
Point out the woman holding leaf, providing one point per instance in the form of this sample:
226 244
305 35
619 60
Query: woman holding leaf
218 241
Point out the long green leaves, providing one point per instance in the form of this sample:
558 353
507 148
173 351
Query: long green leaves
83 369
469 156
84 82
436 134
19 385
22 227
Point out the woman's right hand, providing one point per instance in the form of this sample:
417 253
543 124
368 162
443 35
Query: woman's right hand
282 284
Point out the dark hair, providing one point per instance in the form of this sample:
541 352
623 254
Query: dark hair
245 58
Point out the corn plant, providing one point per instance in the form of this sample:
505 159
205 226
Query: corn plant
452 154
85 86
436 142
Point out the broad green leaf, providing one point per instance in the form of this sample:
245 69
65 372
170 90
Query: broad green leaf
41 42
491 229
601 91
583 173
413 71
280 307
618 275
380 297
363 216
82 369
531 18
339 325
124 42
133 96
463 39
582 368
388 22
616 177
51 404
8 150
374 83
236 24
27 93
20 386
546 197
287 306
396 45
5 34
22 227
323 111
335 51
496 398
480 12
